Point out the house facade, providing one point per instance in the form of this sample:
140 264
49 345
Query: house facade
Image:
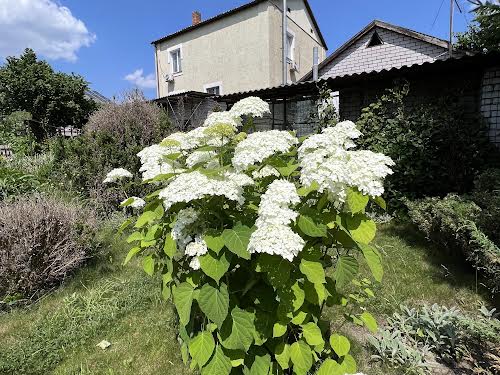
238 50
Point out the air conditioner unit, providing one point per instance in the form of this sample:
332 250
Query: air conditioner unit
169 78
294 66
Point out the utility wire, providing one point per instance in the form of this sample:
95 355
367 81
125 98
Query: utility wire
437 15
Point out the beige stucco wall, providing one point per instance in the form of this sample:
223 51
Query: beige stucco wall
242 51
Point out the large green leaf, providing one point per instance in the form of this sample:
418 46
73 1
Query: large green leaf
301 356
310 228
330 367
236 240
148 264
146 218
183 299
136 236
260 365
282 355
214 266
238 332
214 302
373 260
314 271
369 321
214 243
356 201
312 334
277 269
348 365
170 246
362 228
132 253
220 364
340 344
345 270
279 329
202 347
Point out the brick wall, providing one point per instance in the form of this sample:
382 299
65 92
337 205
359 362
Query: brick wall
490 102
397 50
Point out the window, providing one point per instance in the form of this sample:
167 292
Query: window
175 60
214 88
375 40
290 45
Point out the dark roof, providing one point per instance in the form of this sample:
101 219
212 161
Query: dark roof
96 96
190 94
450 65
236 10
384 25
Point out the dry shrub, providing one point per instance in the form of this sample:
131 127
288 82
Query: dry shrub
42 240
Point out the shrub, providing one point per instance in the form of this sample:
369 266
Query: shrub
15 133
244 230
451 222
486 195
112 137
436 147
42 240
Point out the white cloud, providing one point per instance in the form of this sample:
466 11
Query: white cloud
138 79
49 29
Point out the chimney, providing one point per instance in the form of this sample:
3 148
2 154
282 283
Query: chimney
196 18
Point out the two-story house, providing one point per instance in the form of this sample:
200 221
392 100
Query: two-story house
239 50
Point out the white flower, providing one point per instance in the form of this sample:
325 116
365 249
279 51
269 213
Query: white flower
222 118
199 157
196 248
251 106
117 174
154 154
136 202
326 159
195 185
154 163
185 218
266 171
239 179
195 263
260 145
273 207
276 239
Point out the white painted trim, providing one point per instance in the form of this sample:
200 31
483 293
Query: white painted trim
169 60
292 34
213 84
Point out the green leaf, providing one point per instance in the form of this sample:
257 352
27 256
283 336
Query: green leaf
276 267
166 292
305 191
340 344
345 270
330 367
132 253
127 202
260 365
282 355
220 364
136 236
381 203
310 228
148 264
312 334
362 228
214 266
170 246
238 332
236 240
214 243
299 296
279 329
299 317
214 303
314 271
201 347
288 170
145 218
183 299
369 321
301 356
373 260
348 365
356 201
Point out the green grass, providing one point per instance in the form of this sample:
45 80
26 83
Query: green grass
59 334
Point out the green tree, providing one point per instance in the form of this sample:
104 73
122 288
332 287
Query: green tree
484 33
53 99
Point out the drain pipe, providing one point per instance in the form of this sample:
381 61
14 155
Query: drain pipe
285 52
315 64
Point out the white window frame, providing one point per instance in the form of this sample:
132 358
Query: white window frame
290 56
212 85
170 61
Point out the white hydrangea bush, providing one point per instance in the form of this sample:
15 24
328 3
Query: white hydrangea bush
254 235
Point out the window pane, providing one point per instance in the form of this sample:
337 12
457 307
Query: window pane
289 46
176 61
214 90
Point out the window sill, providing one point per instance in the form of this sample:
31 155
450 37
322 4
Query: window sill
177 74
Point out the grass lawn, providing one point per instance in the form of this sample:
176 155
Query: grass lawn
59 334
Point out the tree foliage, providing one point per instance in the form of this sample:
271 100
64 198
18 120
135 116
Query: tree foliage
484 34
54 99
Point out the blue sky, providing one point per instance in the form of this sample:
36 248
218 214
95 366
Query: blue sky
111 39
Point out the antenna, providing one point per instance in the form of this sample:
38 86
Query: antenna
450 44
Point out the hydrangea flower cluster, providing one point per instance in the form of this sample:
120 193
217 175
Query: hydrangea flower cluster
116 175
196 249
251 106
180 232
326 159
273 235
266 171
261 145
